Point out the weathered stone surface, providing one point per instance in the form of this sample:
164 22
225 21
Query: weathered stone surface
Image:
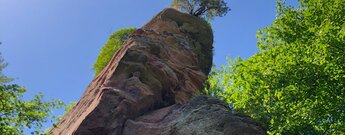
159 67
161 64
202 116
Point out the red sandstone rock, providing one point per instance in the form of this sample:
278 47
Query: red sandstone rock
159 67
202 116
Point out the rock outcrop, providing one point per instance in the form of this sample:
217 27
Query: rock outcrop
147 86
203 115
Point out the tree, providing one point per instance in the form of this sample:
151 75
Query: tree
207 9
3 78
58 118
114 43
17 114
295 83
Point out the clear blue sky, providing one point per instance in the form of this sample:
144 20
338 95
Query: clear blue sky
51 45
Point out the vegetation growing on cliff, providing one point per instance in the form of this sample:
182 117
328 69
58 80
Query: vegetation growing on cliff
17 114
114 43
207 9
295 83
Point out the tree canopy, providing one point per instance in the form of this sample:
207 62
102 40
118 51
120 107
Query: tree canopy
295 83
114 43
207 9
17 114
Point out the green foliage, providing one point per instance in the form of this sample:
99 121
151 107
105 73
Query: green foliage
58 118
295 84
207 9
219 80
3 78
114 43
69 106
17 114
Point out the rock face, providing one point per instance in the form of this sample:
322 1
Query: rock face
203 115
143 88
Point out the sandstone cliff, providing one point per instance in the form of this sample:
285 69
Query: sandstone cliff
147 86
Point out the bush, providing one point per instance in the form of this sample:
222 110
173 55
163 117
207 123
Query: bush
114 43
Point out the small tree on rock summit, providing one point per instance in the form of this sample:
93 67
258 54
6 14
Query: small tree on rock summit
207 9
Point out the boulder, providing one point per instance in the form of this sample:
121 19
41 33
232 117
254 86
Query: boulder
203 115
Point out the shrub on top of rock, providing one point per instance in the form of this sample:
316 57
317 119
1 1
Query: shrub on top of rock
114 43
